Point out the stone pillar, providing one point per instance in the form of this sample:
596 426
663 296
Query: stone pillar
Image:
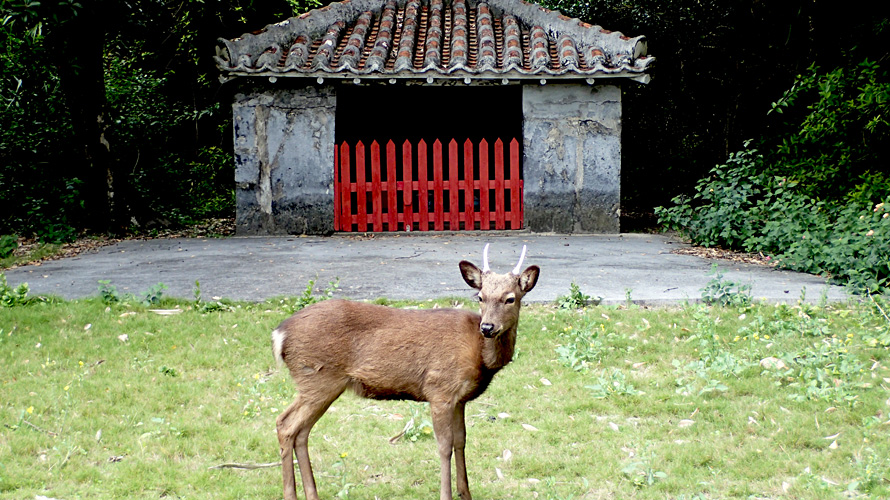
572 157
284 161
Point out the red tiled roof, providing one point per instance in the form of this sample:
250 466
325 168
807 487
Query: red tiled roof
434 39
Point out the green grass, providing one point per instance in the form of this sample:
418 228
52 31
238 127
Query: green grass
672 403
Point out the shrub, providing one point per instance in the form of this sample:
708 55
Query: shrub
818 202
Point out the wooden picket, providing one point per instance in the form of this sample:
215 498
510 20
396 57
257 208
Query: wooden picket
457 198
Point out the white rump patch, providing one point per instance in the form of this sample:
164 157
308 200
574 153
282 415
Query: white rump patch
278 344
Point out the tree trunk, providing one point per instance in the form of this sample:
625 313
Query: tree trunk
80 46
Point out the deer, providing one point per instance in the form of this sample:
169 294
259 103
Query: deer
445 357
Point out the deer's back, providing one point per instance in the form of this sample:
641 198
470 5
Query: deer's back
383 352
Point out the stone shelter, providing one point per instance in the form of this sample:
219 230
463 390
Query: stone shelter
401 115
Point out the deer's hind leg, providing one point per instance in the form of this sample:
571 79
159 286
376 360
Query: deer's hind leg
293 426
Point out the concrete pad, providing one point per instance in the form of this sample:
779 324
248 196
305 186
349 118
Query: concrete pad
410 266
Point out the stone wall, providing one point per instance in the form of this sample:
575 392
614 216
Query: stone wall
284 157
572 157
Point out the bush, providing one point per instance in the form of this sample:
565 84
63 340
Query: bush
818 202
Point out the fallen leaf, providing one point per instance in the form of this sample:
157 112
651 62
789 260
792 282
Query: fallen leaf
166 312
507 455
503 415
833 445
529 427
834 436
123 338
613 426
545 381
772 363
499 474
685 423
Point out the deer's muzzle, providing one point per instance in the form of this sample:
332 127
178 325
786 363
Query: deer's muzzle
487 330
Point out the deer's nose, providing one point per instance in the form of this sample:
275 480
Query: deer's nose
487 329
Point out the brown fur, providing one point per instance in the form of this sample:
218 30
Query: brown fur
443 356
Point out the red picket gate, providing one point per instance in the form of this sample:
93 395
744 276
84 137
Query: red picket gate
423 190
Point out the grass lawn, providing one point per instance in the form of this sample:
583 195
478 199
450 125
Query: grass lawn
688 402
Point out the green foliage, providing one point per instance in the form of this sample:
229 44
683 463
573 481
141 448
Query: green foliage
719 291
35 135
838 148
12 297
582 347
153 295
612 383
576 299
309 297
418 426
8 244
810 203
217 305
641 471
108 293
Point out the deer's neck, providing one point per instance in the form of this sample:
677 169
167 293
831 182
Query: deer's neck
497 352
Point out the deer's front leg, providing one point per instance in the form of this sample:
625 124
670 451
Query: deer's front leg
443 420
460 440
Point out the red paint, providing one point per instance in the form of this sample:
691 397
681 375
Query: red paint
400 186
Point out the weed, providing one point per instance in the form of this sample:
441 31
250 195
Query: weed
825 371
153 295
11 297
108 293
612 383
308 297
574 300
583 347
724 292
209 307
418 426
641 472
342 485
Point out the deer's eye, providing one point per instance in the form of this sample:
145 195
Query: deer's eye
478 298
510 300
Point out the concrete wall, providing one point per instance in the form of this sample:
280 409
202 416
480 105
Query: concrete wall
572 157
284 157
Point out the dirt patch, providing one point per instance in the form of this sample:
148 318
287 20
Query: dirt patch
721 253
210 228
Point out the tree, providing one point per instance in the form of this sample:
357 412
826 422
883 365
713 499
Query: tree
105 156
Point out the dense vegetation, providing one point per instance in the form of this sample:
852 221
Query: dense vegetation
113 114
113 118
818 197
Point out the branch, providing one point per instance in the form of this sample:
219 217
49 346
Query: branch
245 466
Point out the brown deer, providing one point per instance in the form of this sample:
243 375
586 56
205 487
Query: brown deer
444 356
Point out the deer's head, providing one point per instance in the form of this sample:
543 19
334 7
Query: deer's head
500 295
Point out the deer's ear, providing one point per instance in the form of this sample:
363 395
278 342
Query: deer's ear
529 278
472 275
